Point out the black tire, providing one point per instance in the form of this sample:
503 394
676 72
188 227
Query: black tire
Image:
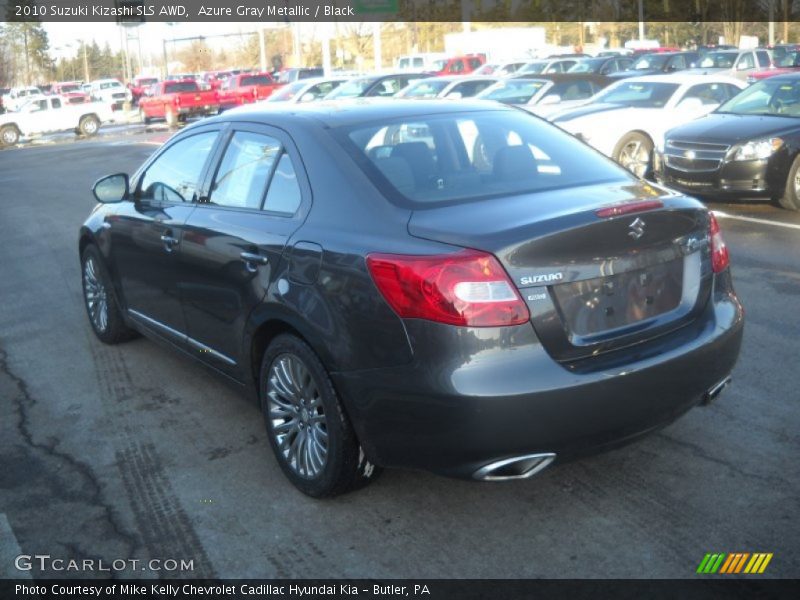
112 329
641 167
344 468
145 119
89 125
791 195
170 117
9 135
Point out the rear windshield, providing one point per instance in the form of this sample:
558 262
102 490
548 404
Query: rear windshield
287 92
514 91
180 86
466 156
353 88
256 80
425 89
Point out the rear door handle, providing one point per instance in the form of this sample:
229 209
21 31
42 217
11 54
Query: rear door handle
252 261
169 242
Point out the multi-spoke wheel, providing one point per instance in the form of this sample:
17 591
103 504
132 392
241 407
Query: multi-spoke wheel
634 152
310 434
101 306
791 194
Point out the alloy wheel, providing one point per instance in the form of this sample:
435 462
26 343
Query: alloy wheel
96 296
297 416
635 157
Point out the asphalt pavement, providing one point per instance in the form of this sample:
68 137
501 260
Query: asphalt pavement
133 452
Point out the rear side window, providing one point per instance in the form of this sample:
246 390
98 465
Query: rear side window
241 179
469 156
174 174
283 195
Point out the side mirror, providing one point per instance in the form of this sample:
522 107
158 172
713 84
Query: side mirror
112 188
455 95
308 97
550 99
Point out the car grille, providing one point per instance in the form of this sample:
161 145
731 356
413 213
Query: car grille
694 156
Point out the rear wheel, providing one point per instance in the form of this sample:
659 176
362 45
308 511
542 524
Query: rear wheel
88 125
9 135
634 152
170 116
101 304
308 430
791 195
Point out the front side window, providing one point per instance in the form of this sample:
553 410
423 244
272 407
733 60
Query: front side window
174 175
768 97
241 179
745 62
708 93
460 157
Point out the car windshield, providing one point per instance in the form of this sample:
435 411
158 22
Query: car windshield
518 91
352 89
150 81
789 59
641 94
110 84
591 65
173 87
432 160
718 60
70 87
534 67
768 97
428 88
287 92
650 61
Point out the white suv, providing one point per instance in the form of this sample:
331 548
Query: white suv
110 91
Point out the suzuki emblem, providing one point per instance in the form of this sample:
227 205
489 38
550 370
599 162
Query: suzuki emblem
636 228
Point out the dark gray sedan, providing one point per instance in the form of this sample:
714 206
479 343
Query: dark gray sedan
462 288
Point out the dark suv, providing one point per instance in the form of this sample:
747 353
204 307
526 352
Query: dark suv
462 288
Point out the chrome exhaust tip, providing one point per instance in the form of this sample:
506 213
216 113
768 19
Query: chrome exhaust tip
715 390
518 467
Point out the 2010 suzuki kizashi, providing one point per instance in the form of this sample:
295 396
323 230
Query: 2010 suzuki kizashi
464 289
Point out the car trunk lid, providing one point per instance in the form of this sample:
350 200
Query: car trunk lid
594 282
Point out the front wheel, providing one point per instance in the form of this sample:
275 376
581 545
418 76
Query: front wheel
89 125
144 118
308 430
101 305
791 195
634 152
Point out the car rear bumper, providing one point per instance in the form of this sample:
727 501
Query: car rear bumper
474 396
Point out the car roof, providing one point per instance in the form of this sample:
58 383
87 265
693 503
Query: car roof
335 113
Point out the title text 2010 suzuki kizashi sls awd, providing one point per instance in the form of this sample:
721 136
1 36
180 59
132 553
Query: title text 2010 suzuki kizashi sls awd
461 288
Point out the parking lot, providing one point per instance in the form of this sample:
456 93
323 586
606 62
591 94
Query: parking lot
133 452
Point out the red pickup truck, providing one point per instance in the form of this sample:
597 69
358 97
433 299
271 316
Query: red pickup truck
176 100
139 85
246 88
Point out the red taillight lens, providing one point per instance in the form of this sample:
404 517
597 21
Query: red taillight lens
467 288
720 259
628 208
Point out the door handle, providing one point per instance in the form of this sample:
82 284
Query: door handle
252 261
169 242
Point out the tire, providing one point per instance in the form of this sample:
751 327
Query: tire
311 436
145 119
100 301
89 125
635 152
170 117
9 135
791 195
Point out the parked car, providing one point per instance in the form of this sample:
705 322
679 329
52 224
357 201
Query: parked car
374 85
478 305
70 91
628 119
748 148
423 61
175 101
18 96
295 74
543 67
458 65
246 88
657 63
139 85
734 63
543 96
50 114
499 69
789 62
306 90
604 65
110 91
446 87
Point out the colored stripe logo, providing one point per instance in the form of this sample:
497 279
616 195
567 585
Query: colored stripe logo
734 563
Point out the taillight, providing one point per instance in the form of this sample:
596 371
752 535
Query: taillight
627 208
467 288
177 100
720 259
